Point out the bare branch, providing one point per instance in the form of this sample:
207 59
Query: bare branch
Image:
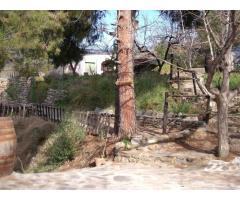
213 35
208 37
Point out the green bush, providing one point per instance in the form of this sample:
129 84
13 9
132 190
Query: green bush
68 136
150 88
12 91
38 92
61 146
62 150
181 107
89 92
233 83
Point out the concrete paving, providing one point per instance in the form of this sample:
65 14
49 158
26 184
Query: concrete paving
125 176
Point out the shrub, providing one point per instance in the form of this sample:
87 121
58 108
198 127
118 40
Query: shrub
63 149
12 91
233 83
61 146
38 91
89 92
181 107
150 88
68 136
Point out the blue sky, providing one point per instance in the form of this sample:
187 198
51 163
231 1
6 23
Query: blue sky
111 16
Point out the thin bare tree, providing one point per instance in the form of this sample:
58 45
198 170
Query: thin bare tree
223 38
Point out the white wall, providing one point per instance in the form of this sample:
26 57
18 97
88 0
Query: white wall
95 58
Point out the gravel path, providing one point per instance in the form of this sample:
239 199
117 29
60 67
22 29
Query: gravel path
125 176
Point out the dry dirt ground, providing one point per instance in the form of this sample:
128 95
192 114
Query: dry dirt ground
32 133
185 163
91 148
198 147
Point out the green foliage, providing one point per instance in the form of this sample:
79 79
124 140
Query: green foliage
28 37
33 40
67 136
161 49
165 69
62 150
180 107
85 92
62 145
81 25
12 91
150 88
126 141
38 92
89 92
233 83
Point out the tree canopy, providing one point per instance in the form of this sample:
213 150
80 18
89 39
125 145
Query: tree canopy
39 39
81 29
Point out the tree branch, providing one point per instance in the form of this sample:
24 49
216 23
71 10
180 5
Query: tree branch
142 49
213 35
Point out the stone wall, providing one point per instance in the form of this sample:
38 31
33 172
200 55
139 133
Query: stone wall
54 95
22 85
3 86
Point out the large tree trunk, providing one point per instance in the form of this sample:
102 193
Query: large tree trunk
127 117
223 143
116 121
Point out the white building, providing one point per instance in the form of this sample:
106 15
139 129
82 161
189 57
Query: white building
90 64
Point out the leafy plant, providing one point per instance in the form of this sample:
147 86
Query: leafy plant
181 107
62 150
38 91
61 146
233 83
126 141
12 91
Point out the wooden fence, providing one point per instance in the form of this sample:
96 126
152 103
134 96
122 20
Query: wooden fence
55 114
178 79
203 116
103 123
95 123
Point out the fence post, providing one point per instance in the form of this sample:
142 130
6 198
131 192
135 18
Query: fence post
165 113
208 109
171 67
194 82
1 109
178 78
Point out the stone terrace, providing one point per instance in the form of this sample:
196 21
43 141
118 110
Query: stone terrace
125 176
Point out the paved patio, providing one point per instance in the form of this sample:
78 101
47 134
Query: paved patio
125 176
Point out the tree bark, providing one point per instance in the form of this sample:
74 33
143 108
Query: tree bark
127 116
222 105
73 68
223 143
116 120
165 55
